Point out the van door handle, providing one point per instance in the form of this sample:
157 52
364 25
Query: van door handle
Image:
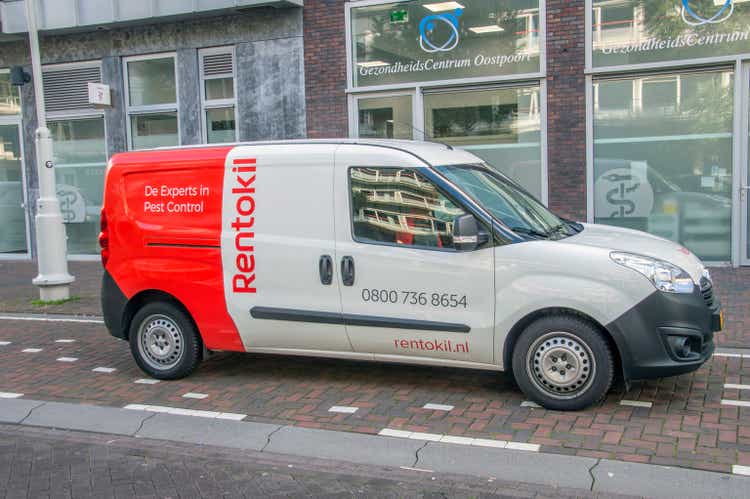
325 267
347 271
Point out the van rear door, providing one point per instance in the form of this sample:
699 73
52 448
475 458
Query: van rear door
278 247
405 291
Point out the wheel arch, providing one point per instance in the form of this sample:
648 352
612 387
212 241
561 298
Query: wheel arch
142 298
515 332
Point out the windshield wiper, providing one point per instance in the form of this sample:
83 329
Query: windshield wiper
530 232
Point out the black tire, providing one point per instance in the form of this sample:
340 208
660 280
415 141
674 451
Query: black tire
164 341
549 346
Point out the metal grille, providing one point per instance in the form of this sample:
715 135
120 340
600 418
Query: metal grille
707 290
218 64
67 89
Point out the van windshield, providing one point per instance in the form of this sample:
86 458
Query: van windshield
508 202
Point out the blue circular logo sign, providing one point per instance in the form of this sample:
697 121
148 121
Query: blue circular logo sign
693 18
428 26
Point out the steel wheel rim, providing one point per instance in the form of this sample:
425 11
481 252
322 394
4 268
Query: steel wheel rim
561 365
160 342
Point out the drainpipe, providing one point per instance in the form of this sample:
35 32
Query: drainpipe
52 255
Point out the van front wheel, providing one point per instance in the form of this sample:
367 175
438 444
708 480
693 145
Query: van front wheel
164 342
563 363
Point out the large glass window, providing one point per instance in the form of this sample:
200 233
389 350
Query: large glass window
501 126
663 157
12 213
80 162
424 40
152 101
641 31
385 117
218 96
400 206
10 98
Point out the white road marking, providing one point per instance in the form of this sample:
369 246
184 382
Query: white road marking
387 432
49 319
529 403
408 468
450 439
732 355
146 381
486 442
193 395
731 386
430 437
741 470
9 395
67 359
106 370
186 412
342 409
458 440
523 446
438 407
735 403
636 403
31 350
65 341
4 343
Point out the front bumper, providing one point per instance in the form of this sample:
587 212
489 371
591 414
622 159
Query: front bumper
668 334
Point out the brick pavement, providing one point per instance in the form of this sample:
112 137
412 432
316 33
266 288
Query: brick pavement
38 463
687 425
17 292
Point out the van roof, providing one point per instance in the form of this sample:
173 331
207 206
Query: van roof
433 153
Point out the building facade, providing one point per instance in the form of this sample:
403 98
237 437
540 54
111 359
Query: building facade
627 112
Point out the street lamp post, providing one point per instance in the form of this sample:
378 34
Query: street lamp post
53 279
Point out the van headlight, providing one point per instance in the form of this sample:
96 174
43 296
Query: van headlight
665 276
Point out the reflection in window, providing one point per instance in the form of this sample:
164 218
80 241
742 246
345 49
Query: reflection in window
663 160
386 117
154 130
10 98
457 40
12 213
501 126
643 31
80 160
398 206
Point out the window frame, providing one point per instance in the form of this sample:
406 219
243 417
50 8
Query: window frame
209 104
141 110
456 202
17 120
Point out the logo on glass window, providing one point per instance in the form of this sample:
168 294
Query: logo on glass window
433 36
693 18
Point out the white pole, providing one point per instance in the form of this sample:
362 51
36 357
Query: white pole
52 256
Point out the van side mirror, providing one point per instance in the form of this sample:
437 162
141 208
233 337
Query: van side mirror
466 233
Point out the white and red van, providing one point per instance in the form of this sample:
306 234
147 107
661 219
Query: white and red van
390 251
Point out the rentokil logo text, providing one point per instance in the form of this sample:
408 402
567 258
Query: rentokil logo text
693 18
427 28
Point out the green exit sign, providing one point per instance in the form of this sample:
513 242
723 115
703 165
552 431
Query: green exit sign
399 16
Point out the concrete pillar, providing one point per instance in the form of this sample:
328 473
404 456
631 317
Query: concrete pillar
115 121
188 82
271 89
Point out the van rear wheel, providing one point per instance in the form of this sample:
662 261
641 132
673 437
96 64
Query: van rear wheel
562 362
164 342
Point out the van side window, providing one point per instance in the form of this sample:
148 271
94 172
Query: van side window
400 206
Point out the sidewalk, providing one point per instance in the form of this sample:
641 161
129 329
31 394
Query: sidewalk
17 293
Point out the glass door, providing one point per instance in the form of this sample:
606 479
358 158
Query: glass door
12 207
744 190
